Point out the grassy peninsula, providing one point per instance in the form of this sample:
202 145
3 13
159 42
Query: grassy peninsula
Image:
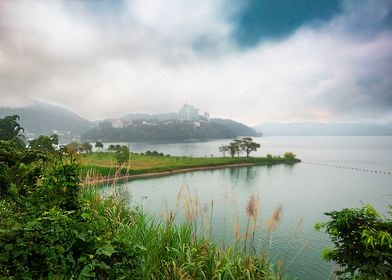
103 164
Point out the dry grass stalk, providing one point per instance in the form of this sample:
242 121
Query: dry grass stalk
275 218
252 210
271 225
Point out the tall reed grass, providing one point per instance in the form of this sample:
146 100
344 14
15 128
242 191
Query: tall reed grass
169 251
185 250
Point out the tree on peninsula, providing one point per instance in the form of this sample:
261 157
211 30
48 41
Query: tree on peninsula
99 145
237 146
223 149
86 147
247 145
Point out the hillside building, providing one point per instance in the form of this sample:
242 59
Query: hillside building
188 113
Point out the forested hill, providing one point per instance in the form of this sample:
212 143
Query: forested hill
160 133
43 118
238 128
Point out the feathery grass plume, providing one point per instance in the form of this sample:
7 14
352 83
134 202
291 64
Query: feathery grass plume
297 229
271 225
252 210
274 219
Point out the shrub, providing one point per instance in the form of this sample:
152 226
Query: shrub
363 243
5 182
122 155
289 155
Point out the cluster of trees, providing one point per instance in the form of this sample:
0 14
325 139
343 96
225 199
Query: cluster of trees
76 147
155 154
121 153
160 132
239 145
50 144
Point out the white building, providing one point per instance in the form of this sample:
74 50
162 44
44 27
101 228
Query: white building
117 123
188 113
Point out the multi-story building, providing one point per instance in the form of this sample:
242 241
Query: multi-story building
188 113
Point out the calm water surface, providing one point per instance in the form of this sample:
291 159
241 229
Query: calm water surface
305 191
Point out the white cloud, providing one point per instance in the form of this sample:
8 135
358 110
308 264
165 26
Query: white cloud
147 60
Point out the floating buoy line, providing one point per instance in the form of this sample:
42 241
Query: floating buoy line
349 168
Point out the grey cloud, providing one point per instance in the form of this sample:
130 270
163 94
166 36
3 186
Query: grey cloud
155 61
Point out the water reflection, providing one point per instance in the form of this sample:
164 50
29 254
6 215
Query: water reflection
305 191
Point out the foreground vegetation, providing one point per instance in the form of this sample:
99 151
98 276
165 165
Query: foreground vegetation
52 228
363 243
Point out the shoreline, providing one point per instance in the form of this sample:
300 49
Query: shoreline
106 179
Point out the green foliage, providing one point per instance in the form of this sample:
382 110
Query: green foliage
289 155
234 149
247 145
102 164
10 131
122 155
238 128
154 154
113 148
237 146
5 181
160 132
55 230
223 149
99 145
86 147
45 143
50 228
363 243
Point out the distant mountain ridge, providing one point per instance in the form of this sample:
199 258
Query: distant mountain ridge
156 133
324 129
167 128
43 118
238 128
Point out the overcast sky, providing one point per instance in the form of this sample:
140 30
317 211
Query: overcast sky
258 61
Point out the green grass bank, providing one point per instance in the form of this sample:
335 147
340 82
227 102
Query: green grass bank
102 166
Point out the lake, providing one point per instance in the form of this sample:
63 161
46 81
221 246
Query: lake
336 172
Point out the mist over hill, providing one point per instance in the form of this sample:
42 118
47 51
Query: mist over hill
159 117
166 128
238 128
172 132
43 118
324 129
